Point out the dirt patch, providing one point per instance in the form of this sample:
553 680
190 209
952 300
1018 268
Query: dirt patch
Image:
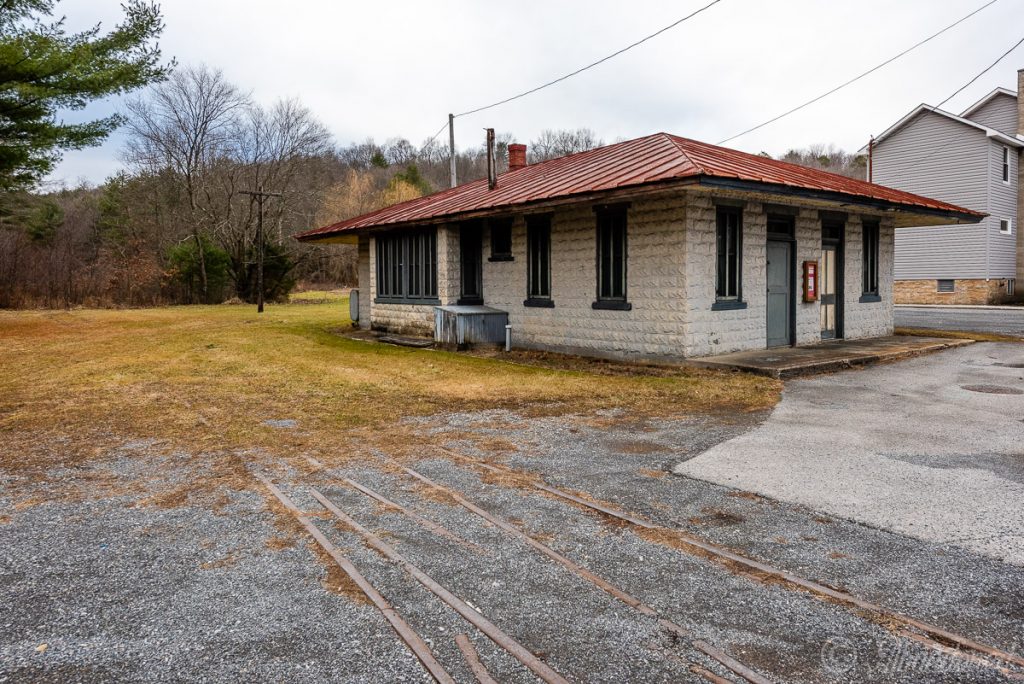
279 543
505 477
957 335
647 472
716 517
837 555
336 580
227 561
637 447
749 496
431 493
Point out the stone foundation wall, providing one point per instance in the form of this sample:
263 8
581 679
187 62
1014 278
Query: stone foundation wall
966 291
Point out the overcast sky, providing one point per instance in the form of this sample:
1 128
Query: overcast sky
396 68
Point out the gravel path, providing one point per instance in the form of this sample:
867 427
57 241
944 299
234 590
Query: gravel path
223 588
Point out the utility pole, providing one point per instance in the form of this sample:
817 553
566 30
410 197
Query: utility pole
259 195
451 147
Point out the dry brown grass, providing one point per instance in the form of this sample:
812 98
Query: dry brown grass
204 379
957 335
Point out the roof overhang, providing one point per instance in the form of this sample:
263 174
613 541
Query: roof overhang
903 214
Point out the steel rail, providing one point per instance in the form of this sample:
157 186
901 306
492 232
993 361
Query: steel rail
473 616
426 523
723 555
406 633
473 660
594 579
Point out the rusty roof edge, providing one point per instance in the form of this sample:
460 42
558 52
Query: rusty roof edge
966 215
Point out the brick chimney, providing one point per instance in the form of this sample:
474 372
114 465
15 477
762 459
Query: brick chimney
1020 102
517 156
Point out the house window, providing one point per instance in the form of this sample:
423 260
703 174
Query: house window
1005 226
611 258
945 285
1006 165
869 259
407 266
538 261
501 239
729 252
1010 286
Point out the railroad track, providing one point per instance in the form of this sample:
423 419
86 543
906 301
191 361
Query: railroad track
927 635
415 642
933 636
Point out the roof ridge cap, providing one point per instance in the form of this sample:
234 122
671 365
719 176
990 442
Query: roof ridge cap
675 140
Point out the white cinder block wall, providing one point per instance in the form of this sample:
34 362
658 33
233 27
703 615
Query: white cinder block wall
718 332
808 248
868 319
670 283
654 246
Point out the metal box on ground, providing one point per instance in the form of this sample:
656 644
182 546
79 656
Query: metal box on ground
459 327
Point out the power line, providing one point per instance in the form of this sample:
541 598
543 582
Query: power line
592 64
857 78
957 92
983 72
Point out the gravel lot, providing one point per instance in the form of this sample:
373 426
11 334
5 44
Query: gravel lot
220 587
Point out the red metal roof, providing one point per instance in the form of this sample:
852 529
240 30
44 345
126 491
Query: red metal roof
652 159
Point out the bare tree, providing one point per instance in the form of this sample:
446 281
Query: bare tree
828 158
550 144
187 126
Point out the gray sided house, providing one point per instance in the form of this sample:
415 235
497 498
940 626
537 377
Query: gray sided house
654 248
972 160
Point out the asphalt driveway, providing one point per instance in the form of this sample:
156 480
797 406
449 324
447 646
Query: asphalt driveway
932 448
1004 320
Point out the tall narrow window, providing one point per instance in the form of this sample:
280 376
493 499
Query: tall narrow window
729 252
611 258
538 261
1006 164
407 266
869 260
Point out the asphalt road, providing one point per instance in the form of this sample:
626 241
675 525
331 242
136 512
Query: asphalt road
1003 321
928 448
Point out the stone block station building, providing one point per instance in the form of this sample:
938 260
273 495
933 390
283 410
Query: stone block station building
655 248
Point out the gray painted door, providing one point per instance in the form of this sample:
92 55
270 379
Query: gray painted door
779 293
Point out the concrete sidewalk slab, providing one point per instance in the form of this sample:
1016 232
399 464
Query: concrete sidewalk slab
790 362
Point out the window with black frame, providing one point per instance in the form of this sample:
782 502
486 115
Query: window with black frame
869 262
501 239
729 257
611 258
538 261
407 267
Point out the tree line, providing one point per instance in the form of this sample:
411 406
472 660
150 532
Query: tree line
174 227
